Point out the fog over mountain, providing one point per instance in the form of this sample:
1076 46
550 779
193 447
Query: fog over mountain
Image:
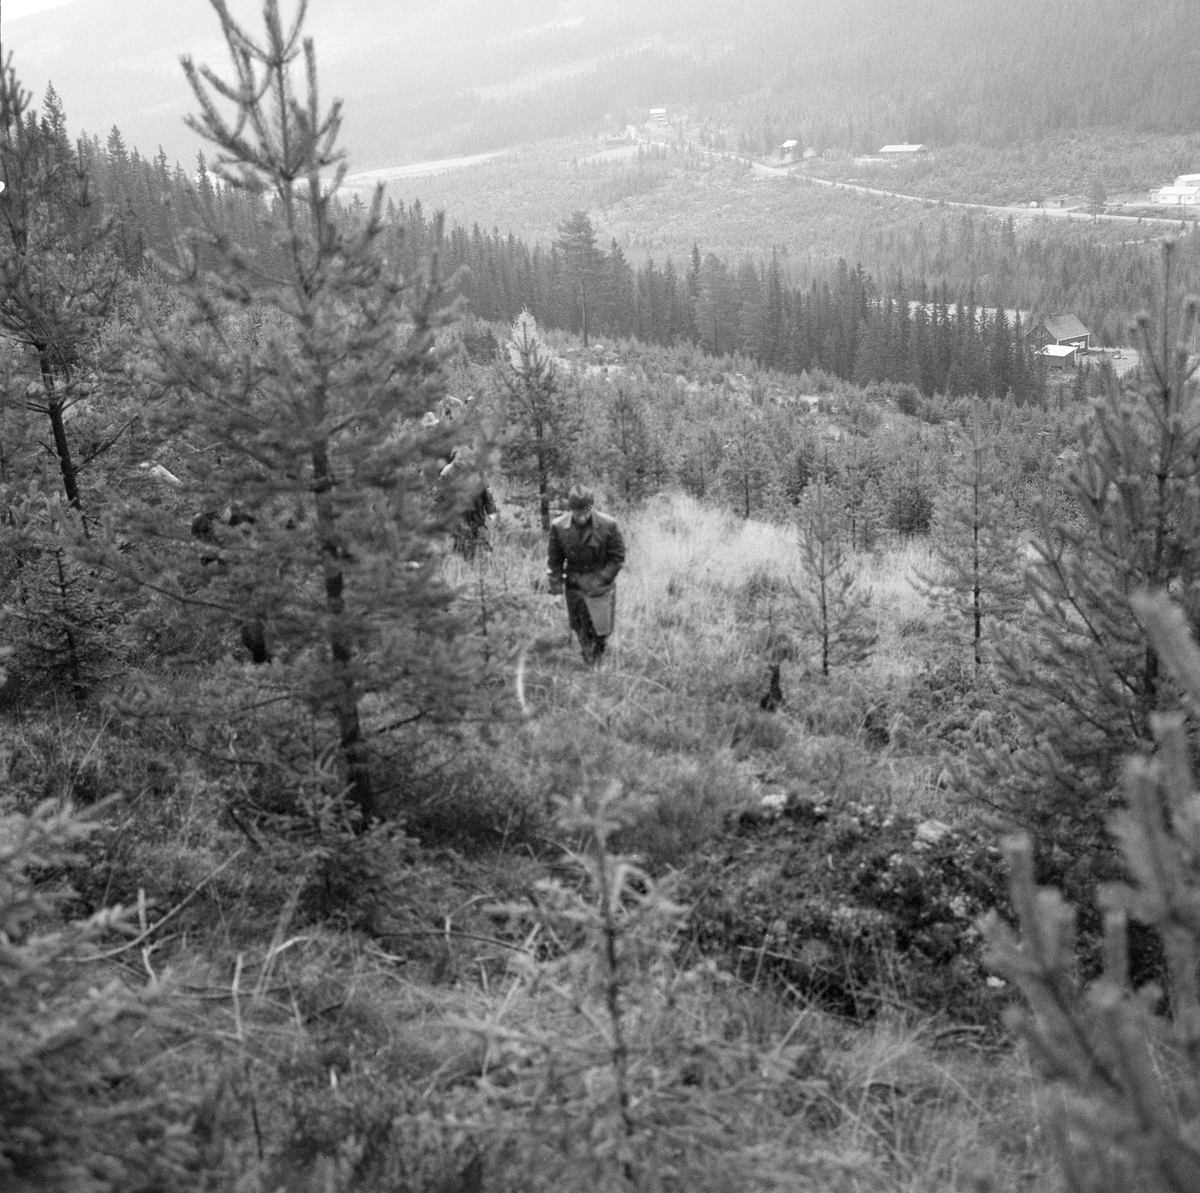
400 64
425 78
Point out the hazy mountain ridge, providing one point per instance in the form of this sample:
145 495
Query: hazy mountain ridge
405 71
466 76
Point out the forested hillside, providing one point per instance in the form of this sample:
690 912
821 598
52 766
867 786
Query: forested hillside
845 323
328 863
464 76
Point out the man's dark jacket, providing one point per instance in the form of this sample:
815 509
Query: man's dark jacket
591 555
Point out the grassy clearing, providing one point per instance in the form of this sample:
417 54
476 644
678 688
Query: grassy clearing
689 573
704 604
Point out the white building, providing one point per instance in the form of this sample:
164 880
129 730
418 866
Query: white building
1059 356
1183 192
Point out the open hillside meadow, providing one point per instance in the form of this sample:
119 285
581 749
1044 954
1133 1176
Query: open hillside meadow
395 1024
671 679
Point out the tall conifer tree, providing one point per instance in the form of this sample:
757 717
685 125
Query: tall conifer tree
577 243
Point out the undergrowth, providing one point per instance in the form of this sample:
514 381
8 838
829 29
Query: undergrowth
632 932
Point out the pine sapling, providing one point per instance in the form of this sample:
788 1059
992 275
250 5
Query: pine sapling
610 1100
1128 1077
629 445
79 1107
744 463
976 545
58 277
301 375
830 605
542 422
1082 680
62 626
862 499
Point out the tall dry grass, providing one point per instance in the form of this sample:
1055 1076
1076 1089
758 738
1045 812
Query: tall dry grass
704 603
686 565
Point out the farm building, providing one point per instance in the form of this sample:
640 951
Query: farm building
1183 192
658 116
1059 330
1058 356
901 151
788 148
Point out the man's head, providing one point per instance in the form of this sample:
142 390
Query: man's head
580 501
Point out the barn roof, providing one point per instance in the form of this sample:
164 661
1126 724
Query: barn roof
1065 327
1063 350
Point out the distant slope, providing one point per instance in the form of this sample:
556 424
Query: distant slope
430 78
419 78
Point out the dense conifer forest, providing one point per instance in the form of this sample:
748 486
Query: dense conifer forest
951 327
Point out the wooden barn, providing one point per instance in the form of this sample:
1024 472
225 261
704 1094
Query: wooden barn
1061 330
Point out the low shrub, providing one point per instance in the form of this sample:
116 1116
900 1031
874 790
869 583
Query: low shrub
79 1108
837 705
951 702
688 803
683 798
853 907
463 798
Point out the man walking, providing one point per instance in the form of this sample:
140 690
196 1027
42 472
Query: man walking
586 553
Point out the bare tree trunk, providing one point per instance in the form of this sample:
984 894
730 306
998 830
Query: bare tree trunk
62 446
583 304
345 694
543 481
68 633
824 617
977 584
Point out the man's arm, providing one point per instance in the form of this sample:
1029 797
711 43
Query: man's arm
616 556
555 558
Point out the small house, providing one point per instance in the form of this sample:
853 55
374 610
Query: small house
900 152
1183 192
658 116
1062 331
788 148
